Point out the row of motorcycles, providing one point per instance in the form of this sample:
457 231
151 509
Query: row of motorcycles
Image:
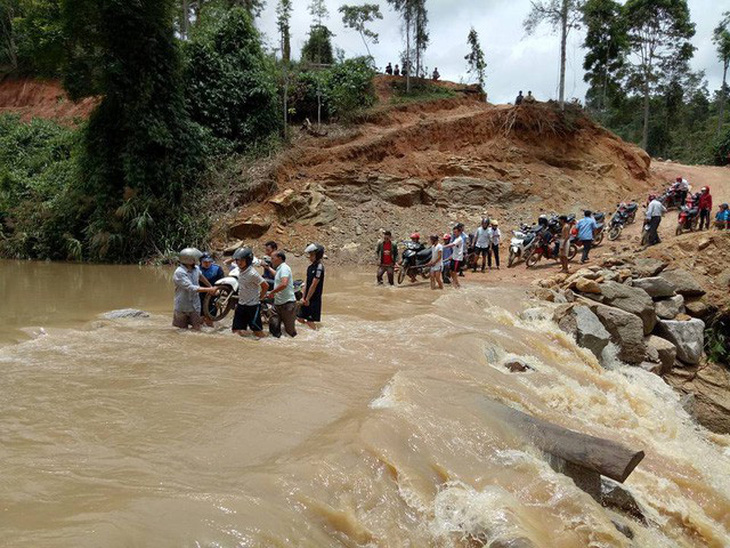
534 242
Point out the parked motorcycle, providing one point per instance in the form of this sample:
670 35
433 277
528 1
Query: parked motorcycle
670 198
545 246
415 261
624 215
520 239
600 219
688 220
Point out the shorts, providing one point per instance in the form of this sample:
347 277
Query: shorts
248 316
183 320
312 312
481 251
436 268
455 265
564 248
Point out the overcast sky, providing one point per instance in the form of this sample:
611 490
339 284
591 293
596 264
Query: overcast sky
514 60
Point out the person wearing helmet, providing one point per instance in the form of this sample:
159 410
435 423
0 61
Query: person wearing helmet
187 280
495 238
483 244
311 309
654 212
682 189
705 205
458 243
436 263
252 289
447 253
387 253
722 218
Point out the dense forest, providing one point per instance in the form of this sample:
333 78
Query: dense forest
189 93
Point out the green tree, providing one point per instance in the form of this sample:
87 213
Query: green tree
721 39
562 16
31 36
229 82
659 33
318 47
319 12
415 22
141 152
356 17
475 58
606 45
283 17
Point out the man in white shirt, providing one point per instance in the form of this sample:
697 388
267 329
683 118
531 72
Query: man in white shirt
437 254
495 238
654 213
458 242
483 244
252 289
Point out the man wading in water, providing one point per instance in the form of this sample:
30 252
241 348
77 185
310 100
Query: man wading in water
187 279
387 252
285 303
311 310
252 289
437 254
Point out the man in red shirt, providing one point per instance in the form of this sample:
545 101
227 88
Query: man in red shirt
387 252
705 205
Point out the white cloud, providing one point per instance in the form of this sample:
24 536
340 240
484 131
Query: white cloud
514 61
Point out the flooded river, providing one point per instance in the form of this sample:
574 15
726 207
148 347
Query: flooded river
373 431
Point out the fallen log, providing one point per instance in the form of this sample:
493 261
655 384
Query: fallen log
605 457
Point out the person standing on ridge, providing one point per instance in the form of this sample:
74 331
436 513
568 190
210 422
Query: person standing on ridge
188 280
436 264
530 98
285 302
389 70
519 98
495 238
252 289
586 232
396 71
387 252
482 246
311 310
435 75
705 205
654 212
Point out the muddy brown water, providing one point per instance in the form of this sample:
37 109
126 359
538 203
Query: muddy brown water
372 431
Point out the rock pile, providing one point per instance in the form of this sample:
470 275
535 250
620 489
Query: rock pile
652 315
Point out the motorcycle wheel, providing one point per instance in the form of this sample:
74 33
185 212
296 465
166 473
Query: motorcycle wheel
678 232
511 259
572 252
598 239
614 233
532 259
217 306
401 274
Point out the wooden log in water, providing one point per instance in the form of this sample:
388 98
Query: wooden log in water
606 457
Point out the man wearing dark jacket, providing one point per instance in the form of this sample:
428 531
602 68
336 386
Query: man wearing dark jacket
705 206
387 252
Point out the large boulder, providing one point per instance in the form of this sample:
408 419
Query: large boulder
290 204
584 325
473 191
404 194
656 287
698 309
633 300
584 285
661 351
709 386
626 329
646 268
253 227
688 337
668 309
684 282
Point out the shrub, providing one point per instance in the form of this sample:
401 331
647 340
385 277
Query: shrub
721 149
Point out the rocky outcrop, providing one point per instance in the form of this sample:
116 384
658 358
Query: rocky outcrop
660 351
473 191
253 227
585 327
708 388
646 268
632 300
626 329
688 337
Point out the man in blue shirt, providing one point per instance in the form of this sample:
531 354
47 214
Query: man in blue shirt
586 229
212 272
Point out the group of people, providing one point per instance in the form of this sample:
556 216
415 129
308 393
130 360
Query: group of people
448 253
397 71
529 98
197 274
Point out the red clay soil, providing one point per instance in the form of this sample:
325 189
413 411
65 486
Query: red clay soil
41 99
423 166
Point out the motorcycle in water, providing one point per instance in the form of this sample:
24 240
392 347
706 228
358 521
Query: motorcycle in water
218 305
689 216
415 261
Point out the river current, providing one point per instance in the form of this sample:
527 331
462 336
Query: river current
373 431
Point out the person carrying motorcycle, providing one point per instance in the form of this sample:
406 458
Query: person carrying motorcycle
654 212
586 231
483 244
705 206
436 263
188 282
285 301
387 252
311 309
417 246
252 288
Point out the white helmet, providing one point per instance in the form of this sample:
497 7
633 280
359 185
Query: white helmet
190 256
